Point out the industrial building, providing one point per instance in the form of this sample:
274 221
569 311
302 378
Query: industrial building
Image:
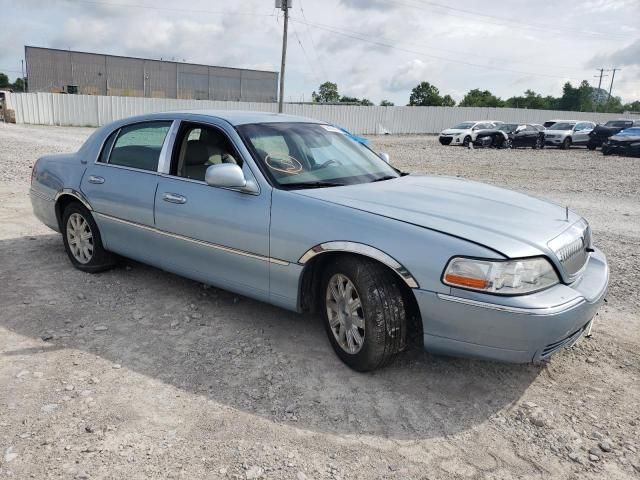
67 71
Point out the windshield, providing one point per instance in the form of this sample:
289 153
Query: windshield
562 126
464 126
508 127
303 155
613 123
633 132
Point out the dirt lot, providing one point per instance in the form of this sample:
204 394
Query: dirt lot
137 373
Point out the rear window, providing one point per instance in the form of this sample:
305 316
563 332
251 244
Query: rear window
138 146
547 124
618 124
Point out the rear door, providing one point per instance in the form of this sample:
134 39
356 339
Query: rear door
121 185
216 235
581 133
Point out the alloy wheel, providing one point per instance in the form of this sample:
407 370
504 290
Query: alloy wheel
80 238
345 314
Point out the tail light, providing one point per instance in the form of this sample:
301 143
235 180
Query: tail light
33 171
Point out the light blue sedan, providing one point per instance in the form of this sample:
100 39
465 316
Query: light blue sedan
294 212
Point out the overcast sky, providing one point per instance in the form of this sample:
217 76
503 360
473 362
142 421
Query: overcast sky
377 49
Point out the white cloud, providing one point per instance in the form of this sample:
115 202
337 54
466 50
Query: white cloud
505 50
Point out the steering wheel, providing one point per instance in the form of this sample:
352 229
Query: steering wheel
331 161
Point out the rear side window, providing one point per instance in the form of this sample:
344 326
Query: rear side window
138 146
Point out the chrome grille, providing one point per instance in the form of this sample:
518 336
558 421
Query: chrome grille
572 247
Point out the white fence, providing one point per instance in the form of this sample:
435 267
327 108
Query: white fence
93 110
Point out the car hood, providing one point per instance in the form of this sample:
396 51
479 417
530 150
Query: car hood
511 223
625 138
560 132
454 131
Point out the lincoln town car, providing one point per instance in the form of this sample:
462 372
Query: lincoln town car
296 213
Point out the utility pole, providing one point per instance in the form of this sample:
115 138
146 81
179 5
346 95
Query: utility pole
602 70
283 5
613 75
24 84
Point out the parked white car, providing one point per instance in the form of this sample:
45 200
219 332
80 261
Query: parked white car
565 133
465 133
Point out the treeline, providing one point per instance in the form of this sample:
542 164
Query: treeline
17 86
583 98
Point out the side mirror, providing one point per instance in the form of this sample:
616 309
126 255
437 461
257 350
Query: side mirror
385 157
229 175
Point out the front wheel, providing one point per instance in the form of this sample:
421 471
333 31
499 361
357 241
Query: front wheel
591 146
82 240
364 312
467 141
566 144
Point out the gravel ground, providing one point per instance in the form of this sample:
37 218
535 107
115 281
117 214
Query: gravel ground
137 373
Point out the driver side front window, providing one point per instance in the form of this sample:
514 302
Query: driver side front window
198 148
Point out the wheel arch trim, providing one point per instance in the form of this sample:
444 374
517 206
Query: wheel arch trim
73 193
360 249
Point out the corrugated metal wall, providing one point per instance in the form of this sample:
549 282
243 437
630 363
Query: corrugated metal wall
51 70
95 110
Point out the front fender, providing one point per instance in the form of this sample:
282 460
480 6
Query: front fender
301 224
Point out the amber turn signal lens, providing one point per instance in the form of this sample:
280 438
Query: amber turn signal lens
468 282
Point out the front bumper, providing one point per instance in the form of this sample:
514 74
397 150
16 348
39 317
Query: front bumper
523 329
554 140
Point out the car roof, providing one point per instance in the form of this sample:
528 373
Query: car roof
234 117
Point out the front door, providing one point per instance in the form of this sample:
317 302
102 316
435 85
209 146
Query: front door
215 235
121 186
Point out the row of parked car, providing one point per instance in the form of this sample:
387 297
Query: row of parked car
620 137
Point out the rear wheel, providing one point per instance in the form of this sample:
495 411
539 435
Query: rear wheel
538 143
566 144
364 312
82 240
591 146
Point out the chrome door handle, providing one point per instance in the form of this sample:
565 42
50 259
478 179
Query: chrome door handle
174 198
94 179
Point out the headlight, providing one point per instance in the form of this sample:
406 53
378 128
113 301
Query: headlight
509 277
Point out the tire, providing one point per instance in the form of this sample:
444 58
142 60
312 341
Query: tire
538 145
591 146
566 144
381 312
467 141
88 255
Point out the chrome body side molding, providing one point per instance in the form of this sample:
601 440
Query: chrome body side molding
74 193
360 249
195 241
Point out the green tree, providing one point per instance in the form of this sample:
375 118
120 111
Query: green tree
366 102
386 103
327 93
448 101
480 98
347 99
632 107
19 85
4 81
424 95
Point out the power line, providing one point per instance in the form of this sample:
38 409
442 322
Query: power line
313 45
501 21
311 67
169 9
360 37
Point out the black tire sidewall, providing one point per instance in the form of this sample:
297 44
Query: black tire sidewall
467 141
101 259
373 353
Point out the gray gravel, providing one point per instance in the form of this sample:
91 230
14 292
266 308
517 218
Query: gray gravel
137 373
